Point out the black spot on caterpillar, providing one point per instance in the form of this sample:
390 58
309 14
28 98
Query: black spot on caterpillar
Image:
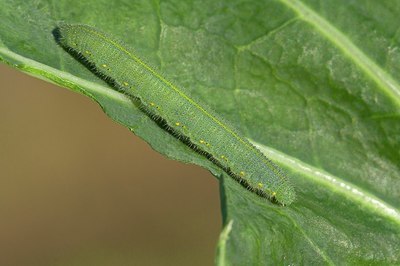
176 110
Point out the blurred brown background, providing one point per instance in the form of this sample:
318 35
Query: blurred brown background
77 188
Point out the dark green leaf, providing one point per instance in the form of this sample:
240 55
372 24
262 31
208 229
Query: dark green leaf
314 84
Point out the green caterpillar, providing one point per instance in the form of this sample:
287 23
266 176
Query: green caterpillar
187 117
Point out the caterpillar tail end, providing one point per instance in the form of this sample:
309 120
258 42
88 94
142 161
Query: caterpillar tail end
285 195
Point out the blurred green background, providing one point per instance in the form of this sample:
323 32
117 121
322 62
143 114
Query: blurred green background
76 188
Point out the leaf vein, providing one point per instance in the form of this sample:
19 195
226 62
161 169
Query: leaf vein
384 81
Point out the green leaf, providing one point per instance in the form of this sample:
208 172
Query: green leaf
314 84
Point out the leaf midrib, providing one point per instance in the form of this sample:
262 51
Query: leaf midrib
348 189
56 76
384 81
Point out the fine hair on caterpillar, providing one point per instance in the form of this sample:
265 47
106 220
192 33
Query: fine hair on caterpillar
176 111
